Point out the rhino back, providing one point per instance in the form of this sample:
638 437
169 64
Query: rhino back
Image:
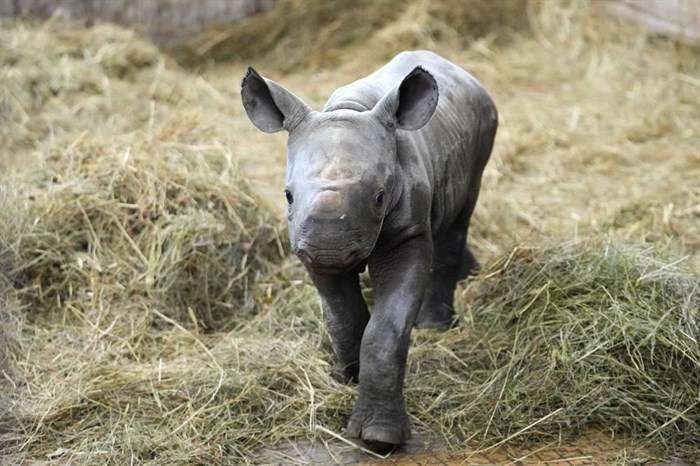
454 147
450 152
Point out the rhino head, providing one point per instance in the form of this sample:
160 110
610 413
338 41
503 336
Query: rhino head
343 175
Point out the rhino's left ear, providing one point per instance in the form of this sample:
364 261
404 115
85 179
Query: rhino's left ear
269 105
411 104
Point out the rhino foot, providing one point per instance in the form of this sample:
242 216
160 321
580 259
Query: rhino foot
438 316
382 429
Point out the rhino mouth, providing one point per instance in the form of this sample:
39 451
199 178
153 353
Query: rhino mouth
327 262
330 270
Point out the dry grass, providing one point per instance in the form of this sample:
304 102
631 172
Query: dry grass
316 35
566 338
149 311
134 197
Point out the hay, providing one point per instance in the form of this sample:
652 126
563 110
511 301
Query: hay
11 323
559 340
534 359
43 63
150 312
181 230
141 206
316 34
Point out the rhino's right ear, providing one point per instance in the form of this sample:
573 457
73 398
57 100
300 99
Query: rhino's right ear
411 104
269 105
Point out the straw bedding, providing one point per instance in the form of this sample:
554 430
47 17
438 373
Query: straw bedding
149 308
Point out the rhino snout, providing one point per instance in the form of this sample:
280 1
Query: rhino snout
329 260
331 231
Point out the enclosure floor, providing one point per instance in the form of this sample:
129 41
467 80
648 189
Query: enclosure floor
595 448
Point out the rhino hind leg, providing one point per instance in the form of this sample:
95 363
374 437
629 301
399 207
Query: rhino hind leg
437 309
469 264
452 262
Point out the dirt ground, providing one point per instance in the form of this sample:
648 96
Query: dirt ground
591 448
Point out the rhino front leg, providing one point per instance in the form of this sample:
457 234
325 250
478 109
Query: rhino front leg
399 279
346 315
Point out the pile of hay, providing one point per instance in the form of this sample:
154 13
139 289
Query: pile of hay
558 340
133 196
552 343
316 35
122 213
149 308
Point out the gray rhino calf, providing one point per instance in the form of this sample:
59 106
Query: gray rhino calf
386 176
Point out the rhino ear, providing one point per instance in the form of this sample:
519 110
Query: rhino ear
411 104
269 105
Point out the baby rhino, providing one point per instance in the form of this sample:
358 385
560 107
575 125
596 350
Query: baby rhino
385 176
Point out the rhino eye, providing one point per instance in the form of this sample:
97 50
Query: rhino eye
379 198
290 198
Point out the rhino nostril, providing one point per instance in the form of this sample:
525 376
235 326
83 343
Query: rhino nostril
304 255
351 257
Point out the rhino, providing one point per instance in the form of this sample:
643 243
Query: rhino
385 177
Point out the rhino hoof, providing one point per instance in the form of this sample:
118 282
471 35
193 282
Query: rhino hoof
439 325
348 374
437 316
381 438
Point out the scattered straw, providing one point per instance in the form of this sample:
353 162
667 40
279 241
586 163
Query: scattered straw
565 339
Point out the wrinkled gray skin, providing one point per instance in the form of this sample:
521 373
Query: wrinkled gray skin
387 175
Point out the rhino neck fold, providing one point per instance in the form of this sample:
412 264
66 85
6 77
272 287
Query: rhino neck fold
346 105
